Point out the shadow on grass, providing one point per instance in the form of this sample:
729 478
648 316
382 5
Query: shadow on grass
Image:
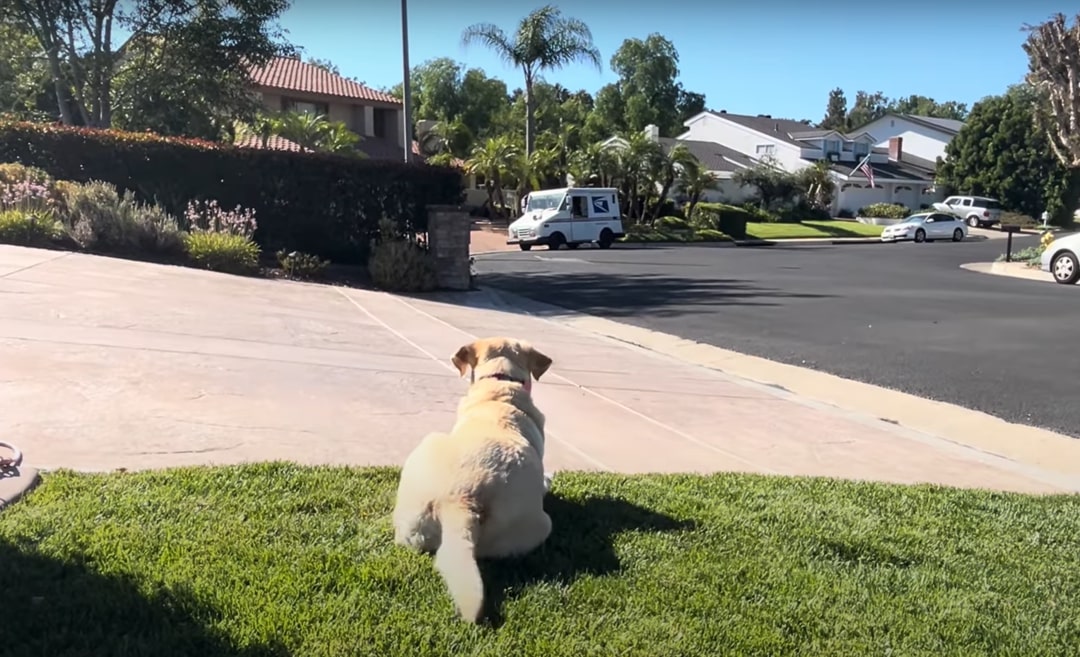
581 544
64 608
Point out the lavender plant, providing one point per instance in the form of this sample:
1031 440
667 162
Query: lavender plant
209 217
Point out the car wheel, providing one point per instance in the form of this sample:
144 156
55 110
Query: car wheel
524 247
606 239
920 235
573 245
555 241
1065 268
957 235
973 221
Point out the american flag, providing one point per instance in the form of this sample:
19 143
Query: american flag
866 169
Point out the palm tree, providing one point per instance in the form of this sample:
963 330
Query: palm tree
694 181
491 159
670 165
595 161
545 40
639 164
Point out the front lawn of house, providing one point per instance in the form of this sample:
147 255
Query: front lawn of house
278 559
812 229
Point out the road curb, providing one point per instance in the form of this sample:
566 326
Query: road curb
1015 270
1050 456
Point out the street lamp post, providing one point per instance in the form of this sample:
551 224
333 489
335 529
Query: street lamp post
406 102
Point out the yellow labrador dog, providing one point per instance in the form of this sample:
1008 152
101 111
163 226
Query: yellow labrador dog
478 491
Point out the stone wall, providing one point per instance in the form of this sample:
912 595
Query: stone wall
449 228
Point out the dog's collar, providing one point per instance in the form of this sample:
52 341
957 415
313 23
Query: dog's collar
505 377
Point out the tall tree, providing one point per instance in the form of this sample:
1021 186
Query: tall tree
545 40
648 90
835 111
469 105
23 74
867 107
926 106
1000 153
77 37
1053 50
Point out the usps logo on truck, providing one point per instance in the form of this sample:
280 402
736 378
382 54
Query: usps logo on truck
599 205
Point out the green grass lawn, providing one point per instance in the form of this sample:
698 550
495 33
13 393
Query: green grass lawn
832 228
278 559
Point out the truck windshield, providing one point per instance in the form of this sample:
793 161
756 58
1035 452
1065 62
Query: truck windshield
544 200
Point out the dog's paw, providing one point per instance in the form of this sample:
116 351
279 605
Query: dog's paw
547 481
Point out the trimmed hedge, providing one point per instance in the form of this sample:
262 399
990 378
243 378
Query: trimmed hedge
727 219
884 211
319 203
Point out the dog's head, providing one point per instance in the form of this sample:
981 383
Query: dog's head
505 358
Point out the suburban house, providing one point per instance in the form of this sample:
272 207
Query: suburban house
289 84
794 145
719 160
725 143
924 138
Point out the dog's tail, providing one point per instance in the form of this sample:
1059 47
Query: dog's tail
456 557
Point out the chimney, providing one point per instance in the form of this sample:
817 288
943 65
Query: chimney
896 149
723 111
652 132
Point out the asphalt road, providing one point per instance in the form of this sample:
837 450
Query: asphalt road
902 316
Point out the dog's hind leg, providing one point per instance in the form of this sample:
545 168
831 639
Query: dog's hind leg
524 535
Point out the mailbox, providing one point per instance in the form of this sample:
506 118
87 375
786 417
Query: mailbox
1010 228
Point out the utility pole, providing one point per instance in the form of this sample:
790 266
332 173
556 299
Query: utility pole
406 91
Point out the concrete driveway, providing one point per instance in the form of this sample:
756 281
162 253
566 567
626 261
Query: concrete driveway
117 364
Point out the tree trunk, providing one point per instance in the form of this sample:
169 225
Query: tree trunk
530 115
58 86
694 198
663 196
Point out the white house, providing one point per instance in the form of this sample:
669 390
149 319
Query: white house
795 145
924 137
719 160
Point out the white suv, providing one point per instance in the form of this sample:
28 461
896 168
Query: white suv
976 211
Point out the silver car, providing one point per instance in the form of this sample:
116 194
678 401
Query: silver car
976 211
926 227
1061 259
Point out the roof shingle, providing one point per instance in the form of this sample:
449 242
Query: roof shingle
712 156
289 74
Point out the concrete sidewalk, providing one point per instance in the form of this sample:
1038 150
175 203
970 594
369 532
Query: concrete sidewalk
108 363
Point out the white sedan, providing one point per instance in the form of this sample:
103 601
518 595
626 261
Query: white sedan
926 227
1060 259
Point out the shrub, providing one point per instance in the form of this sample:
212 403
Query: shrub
209 217
673 223
224 252
28 228
728 219
301 265
884 211
845 213
100 219
324 204
400 264
13 172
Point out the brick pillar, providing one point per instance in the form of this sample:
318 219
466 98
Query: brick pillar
448 234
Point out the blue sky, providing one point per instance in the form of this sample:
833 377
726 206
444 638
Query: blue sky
765 56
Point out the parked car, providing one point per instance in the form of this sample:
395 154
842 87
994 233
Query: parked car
1060 259
926 227
976 211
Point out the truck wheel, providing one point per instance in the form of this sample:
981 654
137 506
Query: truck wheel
606 239
524 247
556 241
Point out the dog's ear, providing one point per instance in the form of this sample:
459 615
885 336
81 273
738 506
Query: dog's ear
465 358
538 363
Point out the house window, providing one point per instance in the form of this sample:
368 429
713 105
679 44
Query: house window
765 149
305 107
861 149
832 145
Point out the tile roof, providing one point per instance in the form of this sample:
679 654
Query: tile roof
289 74
781 129
275 143
713 156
